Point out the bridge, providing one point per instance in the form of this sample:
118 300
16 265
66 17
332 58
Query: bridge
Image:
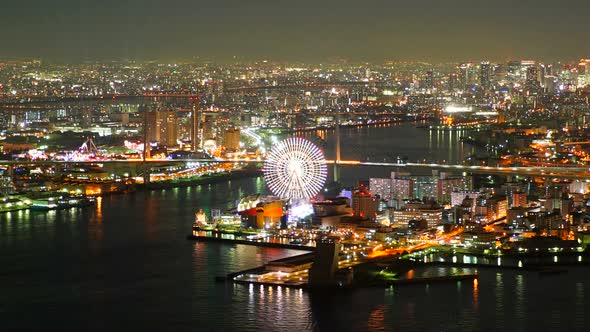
573 172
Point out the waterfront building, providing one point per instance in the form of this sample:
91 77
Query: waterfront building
478 239
418 210
325 264
261 212
330 212
364 204
548 222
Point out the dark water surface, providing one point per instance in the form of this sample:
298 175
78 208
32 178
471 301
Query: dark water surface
385 143
126 265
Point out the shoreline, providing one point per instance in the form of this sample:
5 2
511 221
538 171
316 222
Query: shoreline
250 243
233 175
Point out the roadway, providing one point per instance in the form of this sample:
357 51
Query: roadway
573 172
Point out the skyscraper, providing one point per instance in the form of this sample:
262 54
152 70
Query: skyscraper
429 80
532 78
168 127
466 75
195 123
484 75
453 82
162 127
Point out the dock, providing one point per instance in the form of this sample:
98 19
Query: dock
257 243
294 272
431 280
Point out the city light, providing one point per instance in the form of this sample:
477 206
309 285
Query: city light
295 169
458 109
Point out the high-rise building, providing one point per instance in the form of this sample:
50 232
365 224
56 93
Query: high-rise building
484 75
466 75
364 204
381 187
550 84
151 126
447 184
459 196
453 82
402 186
532 77
168 128
325 263
429 80
584 73
231 139
195 124
209 130
519 199
162 127
496 207
425 187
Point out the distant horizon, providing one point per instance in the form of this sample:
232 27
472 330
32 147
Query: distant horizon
230 60
303 30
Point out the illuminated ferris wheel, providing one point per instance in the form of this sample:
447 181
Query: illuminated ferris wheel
295 169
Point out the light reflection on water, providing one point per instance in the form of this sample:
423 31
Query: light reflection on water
128 266
387 142
69 260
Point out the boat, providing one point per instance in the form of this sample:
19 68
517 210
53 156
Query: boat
202 222
296 241
47 203
67 201
14 203
249 231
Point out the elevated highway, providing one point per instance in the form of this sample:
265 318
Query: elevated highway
570 172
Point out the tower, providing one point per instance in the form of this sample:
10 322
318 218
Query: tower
195 117
325 263
484 74
337 159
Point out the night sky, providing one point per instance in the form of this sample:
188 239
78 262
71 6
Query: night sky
307 30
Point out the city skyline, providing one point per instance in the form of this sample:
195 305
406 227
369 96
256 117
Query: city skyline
376 31
200 164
